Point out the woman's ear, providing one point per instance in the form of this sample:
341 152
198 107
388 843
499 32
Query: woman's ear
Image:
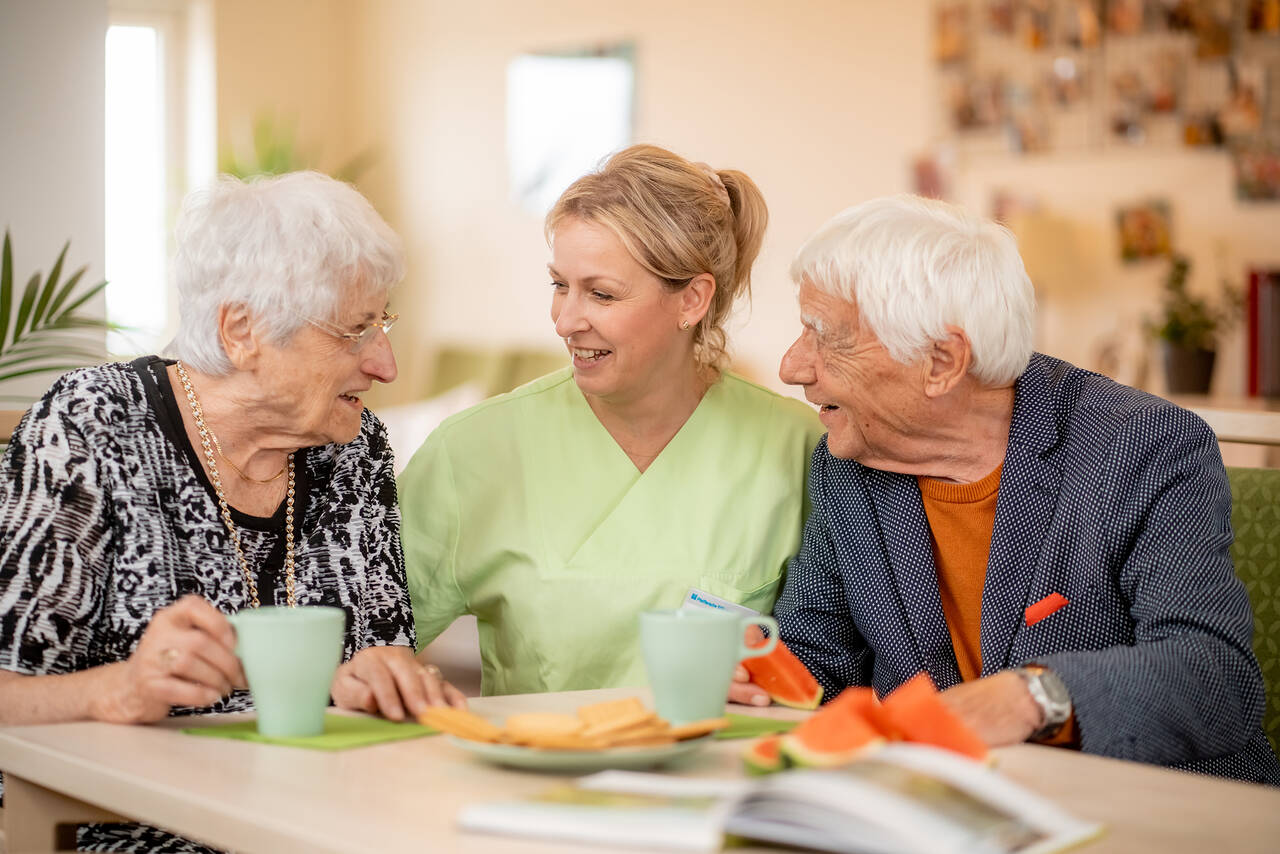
695 298
238 336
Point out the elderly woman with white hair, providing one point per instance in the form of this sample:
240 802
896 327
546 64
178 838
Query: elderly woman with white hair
141 502
1050 546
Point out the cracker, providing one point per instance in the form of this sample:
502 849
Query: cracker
644 741
564 742
531 726
460 723
694 729
622 724
598 714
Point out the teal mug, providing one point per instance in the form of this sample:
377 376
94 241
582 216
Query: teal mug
690 655
289 657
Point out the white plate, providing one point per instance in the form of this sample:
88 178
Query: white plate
579 761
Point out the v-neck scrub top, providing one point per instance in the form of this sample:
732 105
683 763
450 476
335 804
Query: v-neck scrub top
524 511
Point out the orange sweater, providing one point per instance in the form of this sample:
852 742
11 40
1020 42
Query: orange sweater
961 517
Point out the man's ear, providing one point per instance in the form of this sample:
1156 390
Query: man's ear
695 298
947 363
239 337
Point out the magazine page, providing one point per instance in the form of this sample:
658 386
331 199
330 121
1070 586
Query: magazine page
900 799
675 821
889 801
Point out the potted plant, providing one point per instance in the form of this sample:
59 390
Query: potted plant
1188 329
41 328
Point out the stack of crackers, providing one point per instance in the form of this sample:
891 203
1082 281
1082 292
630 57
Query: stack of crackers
600 726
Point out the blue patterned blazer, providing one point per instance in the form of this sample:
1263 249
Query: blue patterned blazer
1115 499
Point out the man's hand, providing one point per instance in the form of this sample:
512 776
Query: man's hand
998 708
386 680
186 657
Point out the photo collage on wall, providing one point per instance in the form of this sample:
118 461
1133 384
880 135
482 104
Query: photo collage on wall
1028 76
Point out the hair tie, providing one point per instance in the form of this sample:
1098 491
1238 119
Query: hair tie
716 183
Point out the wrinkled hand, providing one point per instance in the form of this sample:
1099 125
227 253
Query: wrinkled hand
186 657
743 690
998 708
385 680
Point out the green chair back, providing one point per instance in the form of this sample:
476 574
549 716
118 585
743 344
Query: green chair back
1255 517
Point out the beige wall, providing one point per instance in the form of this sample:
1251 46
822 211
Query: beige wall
1090 295
52 76
806 97
291 59
823 102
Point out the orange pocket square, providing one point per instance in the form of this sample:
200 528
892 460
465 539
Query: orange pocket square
1046 606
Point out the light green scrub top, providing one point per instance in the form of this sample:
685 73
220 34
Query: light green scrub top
524 511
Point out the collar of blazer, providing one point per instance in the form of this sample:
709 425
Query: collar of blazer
1028 496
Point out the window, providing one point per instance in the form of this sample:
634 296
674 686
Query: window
159 144
565 113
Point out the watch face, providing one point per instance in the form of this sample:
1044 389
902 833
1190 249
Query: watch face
1055 688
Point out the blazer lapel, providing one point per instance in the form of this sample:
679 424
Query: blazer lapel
909 550
1027 499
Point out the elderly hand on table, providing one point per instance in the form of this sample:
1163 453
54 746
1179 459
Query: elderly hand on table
385 680
999 708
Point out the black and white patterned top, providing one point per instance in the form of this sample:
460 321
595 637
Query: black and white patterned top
1113 498
107 516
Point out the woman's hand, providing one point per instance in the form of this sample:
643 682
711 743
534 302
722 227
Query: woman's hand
385 680
186 657
743 690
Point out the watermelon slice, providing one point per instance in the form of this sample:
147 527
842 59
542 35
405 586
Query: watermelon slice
916 711
788 682
836 734
764 755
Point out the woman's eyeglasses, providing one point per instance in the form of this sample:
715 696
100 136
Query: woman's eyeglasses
358 339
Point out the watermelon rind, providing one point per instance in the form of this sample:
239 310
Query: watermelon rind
808 704
764 757
805 756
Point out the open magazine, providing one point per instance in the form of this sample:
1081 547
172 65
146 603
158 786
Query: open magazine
901 798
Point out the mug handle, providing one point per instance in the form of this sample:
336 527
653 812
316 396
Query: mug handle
769 643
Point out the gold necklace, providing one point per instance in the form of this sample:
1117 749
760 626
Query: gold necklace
236 468
198 414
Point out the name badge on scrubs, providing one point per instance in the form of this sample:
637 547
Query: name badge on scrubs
696 598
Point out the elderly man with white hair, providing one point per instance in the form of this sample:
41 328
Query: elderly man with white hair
1049 545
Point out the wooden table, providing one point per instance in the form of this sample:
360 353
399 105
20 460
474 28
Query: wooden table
403 796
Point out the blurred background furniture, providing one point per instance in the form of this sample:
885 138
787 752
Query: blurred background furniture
1255 518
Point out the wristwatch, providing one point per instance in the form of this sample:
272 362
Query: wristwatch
1051 695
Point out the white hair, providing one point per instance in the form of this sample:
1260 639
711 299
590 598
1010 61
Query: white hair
285 248
914 266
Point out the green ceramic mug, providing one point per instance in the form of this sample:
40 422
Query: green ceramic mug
289 657
690 656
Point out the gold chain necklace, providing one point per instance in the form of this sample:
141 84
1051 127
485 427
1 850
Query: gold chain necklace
236 468
197 413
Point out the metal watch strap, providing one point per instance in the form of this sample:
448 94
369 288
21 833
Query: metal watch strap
1050 694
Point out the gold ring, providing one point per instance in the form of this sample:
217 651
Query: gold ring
432 670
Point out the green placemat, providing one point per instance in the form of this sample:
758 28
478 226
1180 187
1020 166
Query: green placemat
750 726
340 733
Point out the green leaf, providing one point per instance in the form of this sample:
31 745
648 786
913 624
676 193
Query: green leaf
62 369
66 290
83 298
24 310
6 287
50 286
32 356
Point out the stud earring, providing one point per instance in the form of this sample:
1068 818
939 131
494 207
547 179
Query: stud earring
685 325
